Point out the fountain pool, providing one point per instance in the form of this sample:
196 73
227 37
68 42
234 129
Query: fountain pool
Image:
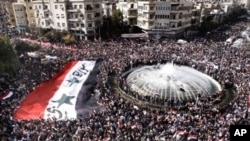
171 82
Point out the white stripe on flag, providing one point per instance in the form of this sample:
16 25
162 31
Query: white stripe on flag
8 96
62 104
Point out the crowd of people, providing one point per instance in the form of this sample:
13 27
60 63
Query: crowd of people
122 119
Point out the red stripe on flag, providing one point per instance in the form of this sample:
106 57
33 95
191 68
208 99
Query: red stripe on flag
249 101
35 103
4 95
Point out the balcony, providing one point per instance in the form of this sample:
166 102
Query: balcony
90 19
74 28
132 9
88 9
73 10
47 18
73 20
46 10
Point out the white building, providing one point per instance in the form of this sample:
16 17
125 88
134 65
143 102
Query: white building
164 17
80 17
108 6
246 3
129 11
21 19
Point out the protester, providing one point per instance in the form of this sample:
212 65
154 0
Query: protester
122 119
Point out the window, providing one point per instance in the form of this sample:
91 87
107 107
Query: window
90 25
75 6
63 24
30 7
76 15
58 24
56 6
80 6
89 16
62 16
62 7
97 5
82 25
97 14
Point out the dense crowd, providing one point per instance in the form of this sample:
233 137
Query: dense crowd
123 120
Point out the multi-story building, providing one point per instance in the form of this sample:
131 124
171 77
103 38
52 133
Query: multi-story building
3 19
10 15
167 18
30 13
20 16
108 6
129 11
245 3
80 17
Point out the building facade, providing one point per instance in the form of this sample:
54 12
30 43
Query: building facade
20 17
80 17
10 15
164 18
108 6
129 11
3 19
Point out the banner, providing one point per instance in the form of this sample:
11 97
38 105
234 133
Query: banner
62 96
138 35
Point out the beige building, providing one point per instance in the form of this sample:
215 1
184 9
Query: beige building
10 14
20 17
80 17
3 19
164 18
24 16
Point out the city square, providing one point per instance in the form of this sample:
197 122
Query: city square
127 87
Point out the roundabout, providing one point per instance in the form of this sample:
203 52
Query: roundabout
169 85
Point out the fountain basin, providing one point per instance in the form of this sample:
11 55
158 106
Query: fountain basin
171 82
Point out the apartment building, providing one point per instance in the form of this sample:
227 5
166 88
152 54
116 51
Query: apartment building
129 11
30 13
23 14
20 17
80 17
3 19
108 6
10 15
164 18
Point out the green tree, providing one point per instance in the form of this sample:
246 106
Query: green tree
69 39
117 21
22 47
9 63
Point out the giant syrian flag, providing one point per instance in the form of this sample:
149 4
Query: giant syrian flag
63 96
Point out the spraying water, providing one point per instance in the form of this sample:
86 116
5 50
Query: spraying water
172 82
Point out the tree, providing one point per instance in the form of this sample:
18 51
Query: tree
9 63
117 21
69 39
22 47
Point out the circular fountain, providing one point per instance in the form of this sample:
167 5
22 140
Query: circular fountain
171 82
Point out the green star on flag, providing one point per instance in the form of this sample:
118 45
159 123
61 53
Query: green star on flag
64 99
73 81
